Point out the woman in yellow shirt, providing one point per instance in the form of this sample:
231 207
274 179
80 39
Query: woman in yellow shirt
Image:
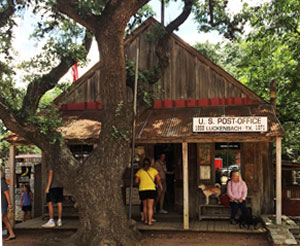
146 178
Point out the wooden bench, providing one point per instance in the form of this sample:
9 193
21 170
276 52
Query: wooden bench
216 211
213 211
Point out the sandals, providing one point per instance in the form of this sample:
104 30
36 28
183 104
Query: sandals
152 221
10 238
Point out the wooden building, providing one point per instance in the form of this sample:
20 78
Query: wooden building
290 188
203 118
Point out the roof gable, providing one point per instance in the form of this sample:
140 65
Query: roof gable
190 74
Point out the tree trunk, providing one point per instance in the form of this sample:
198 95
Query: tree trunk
103 219
96 186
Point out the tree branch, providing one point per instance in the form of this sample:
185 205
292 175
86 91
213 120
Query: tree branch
117 14
160 49
8 12
231 25
40 86
69 8
12 123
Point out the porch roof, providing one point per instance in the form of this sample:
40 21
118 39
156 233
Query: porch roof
169 125
177 123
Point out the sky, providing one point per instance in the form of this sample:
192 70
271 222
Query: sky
187 31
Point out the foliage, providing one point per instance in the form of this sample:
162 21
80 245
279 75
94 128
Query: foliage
146 82
270 51
142 14
214 15
4 145
61 41
156 33
209 50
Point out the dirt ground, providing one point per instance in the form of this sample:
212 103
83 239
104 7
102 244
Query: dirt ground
40 238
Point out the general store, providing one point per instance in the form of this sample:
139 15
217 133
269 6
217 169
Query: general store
202 119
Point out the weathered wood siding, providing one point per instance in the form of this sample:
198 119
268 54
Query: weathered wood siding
193 181
258 173
187 77
190 75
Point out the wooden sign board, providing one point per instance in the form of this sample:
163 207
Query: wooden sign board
135 196
230 124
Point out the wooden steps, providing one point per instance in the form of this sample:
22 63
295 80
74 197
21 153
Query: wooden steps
213 211
69 212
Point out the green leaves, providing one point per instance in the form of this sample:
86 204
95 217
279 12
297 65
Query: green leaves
214 15
270 51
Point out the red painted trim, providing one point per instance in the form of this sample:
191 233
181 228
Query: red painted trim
157 104
168 103
191 103
215 101
75 106
82 106
249 101
203 102
180 103
222 101
229 101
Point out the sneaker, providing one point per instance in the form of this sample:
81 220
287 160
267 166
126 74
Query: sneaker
59 223
49 224
162 211
233 222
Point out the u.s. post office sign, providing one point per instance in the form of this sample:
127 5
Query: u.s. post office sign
230 124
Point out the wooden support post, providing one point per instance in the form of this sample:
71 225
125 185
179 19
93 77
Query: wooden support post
45 175
185 186
278 181
12 183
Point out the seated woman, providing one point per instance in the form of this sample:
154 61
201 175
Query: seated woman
237 192
146 177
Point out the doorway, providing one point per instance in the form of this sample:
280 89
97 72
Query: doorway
173 161
227 159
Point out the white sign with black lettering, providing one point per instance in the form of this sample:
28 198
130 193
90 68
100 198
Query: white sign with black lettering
230 124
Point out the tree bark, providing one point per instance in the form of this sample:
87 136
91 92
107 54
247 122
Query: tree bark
97 185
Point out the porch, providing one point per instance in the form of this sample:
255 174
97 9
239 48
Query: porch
177 225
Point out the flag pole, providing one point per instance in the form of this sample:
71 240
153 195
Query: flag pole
133 127
162 12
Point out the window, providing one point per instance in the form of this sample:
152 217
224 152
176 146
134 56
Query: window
227 159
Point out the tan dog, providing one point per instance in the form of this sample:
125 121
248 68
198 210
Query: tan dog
213 191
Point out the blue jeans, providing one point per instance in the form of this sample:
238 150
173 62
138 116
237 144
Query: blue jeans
235 207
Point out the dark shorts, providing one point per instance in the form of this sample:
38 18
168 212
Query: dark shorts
4 207
55 195
27 208
147 194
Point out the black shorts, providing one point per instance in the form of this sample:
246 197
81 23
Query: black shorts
147 194
27 208
55 195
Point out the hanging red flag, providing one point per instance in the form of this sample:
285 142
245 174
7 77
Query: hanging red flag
75 72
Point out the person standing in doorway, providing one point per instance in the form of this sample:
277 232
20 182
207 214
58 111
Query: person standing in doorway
26 202
5 206
161 167
146 177
54 194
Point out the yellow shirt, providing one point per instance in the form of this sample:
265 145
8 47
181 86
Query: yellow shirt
146 183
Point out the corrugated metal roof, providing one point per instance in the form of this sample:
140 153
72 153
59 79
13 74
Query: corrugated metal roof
171 123
178 122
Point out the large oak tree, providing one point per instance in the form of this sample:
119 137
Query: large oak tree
96 183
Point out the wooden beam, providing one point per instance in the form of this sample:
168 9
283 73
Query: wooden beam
185 186
12 183
205 139
278 181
